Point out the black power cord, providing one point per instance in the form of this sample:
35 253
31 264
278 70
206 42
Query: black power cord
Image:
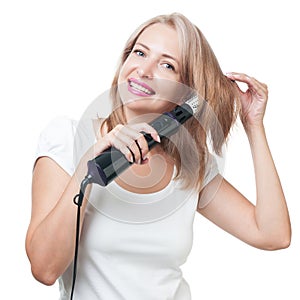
111 162
78 199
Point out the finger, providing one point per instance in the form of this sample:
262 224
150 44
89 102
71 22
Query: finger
258 89
134 140
253 84
118 144
140 157
142 144
241 77
126 142
145 127
122 138
241 81
131 142
125 132
259 86
135 151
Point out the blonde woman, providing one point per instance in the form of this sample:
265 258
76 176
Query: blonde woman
139 258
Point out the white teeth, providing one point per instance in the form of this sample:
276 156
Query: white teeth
140 88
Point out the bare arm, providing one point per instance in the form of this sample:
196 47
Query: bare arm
51 233
50 238
265 225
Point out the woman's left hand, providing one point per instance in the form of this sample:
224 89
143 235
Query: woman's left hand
253 100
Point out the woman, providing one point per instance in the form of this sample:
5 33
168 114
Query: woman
130 259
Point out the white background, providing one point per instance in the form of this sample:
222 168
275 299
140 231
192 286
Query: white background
58 56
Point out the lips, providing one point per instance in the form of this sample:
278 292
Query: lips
139 88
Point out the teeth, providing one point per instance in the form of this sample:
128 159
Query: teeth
140 88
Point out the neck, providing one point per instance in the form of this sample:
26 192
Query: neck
150 177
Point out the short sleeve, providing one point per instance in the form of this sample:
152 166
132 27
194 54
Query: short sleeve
57 142
212 170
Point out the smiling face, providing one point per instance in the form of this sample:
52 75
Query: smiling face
150 75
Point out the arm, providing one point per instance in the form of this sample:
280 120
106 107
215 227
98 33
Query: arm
265 225
50 237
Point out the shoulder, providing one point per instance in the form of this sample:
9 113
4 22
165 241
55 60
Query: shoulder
58 129
56 141
211 181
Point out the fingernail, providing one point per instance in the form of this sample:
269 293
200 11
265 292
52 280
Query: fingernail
158 138
228 74
130 159
145 161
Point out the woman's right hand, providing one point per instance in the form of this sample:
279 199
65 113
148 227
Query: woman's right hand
51 249
129 140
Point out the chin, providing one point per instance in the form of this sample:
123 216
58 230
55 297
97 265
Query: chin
148 105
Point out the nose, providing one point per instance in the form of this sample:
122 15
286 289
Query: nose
146 69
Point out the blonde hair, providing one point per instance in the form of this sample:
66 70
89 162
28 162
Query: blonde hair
201 72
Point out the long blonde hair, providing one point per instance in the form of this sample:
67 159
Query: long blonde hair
201 72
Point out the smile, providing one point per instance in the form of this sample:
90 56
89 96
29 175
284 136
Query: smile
139 88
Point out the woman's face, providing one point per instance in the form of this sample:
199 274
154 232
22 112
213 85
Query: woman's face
150 76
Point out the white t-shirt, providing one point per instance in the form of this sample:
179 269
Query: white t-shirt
132 245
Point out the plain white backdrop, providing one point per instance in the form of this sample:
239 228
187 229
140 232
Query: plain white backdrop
58 56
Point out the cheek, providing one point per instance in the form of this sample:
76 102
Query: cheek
172 90
128 67
122 75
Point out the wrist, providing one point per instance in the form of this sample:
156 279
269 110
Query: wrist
251 128
255 132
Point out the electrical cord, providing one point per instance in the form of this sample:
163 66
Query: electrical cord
106 166
78 199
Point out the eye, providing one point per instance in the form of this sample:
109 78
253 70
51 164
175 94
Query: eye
168 66
139 52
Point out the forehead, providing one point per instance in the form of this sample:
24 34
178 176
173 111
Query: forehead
161 37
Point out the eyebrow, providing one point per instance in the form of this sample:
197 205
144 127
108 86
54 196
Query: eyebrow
164 54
